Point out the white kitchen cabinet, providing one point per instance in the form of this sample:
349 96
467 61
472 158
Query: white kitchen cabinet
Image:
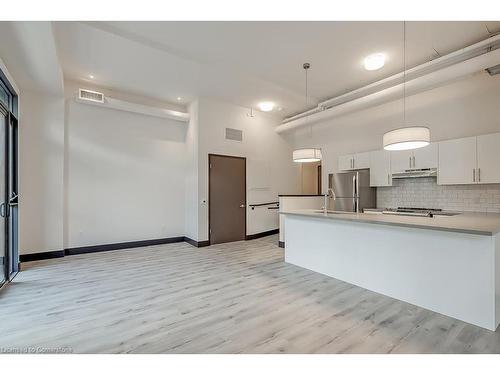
420 158
349 162
488 159
457 161
380 168
426 157
362 160
401 160
345 162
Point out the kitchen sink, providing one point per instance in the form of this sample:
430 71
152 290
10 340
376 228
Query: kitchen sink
332 212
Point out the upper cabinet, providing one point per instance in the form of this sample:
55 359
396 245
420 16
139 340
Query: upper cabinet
457 161
354 161
420 158
362 160
426 157
488 159
345 162
380 168
401 160
471 160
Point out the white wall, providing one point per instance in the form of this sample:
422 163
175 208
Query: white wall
125 177
191 174
41 159
464 108
270 169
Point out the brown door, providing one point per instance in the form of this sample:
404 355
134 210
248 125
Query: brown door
227 198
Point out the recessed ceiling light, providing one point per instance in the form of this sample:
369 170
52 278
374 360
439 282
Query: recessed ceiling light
375 61
179 98
91 76
266 106
279 109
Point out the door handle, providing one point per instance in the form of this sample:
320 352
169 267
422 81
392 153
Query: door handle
474 175
242 206
479 175
3 210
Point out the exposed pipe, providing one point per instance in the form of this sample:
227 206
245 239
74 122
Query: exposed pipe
463 62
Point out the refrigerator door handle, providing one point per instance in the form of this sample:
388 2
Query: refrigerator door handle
355 180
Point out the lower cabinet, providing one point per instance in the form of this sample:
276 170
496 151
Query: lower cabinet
380 168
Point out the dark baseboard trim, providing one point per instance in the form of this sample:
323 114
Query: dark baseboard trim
121 245
97 248
261 234
281 244
196 243
41 256
127 245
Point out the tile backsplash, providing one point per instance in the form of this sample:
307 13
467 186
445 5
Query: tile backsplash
425 192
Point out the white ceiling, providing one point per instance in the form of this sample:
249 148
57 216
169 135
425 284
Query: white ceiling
29 51
248 62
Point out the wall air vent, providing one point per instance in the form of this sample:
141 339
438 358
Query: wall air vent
493 70
234 134
90 96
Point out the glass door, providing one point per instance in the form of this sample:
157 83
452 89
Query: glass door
13 198
4 256
9 259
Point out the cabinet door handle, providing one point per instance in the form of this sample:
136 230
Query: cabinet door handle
474 175
409 158
414 162
479 175
388 177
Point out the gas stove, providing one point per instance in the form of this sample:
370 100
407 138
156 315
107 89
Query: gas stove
413 211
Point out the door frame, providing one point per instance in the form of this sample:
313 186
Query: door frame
11 225
209 203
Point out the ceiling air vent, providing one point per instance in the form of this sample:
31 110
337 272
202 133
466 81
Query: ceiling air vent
234 134
90 96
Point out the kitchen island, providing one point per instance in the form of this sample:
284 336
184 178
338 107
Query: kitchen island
447 264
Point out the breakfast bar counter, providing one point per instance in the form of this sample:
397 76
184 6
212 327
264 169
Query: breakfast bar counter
447 264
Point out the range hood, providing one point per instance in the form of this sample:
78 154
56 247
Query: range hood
416 173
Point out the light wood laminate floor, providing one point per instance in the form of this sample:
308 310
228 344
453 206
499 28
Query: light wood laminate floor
231 298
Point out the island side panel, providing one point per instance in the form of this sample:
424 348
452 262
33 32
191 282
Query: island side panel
294 203
447 272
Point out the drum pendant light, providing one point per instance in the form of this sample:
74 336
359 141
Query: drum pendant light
406 138
307 155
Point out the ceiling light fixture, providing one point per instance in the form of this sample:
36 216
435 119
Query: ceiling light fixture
179 98
266 106
307 155
91 76
375 61
406 138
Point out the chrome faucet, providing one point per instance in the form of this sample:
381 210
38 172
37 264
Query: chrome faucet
329 194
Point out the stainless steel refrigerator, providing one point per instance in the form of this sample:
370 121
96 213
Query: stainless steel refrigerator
351 191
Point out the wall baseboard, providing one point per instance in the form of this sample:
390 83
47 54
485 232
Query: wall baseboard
97 248
261 234
126 245
41 256
196 243
121 245
281 244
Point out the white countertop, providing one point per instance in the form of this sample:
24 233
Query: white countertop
487 224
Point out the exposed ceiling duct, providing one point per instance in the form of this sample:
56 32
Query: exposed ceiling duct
435 73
